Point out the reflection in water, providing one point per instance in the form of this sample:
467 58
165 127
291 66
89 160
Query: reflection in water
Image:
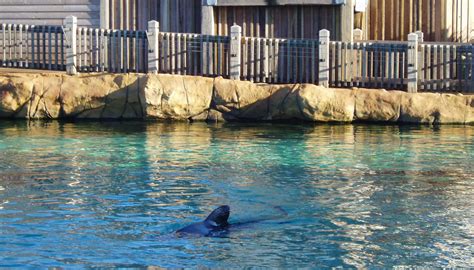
109 194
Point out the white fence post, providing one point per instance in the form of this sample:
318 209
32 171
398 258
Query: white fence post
412 63
324 57
153 51
235 50
70 32
358 34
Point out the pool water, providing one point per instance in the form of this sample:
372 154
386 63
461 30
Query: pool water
112 194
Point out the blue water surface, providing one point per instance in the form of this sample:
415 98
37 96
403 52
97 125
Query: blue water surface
77 195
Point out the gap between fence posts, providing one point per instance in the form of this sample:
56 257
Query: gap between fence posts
235 50
324 36
153 51
70 32
412 62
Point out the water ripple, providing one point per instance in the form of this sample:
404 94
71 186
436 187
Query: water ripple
111 195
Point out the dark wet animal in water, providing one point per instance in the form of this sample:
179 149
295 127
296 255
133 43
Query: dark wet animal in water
216 224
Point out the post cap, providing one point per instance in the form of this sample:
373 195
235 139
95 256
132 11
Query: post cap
235 28
413 37
324 33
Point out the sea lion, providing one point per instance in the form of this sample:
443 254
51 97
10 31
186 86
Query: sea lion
217 225
214 225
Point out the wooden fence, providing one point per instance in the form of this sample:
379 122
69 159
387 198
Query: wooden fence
114 51
279 60
193 54
370 64
446 67
30 46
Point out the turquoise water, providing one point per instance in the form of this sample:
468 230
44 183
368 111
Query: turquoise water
80 195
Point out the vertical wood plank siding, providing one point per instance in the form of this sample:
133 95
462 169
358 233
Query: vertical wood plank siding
439 20
184 15
256 21
279 21
50 12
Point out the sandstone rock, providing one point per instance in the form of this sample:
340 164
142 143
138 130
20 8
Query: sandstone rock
151 97
284 103
377 105
115 103
470 109
216 116
93 92
91 114
45 102
15 93
326 104
132 96
241 99
176 97
200 117
225 98
135 104
433 108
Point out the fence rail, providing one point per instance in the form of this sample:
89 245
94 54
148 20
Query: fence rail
413 65
193 54
114 51
30 46
368 64
279 60
446 67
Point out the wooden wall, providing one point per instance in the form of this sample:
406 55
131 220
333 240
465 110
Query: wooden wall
50 12
184 16
439 20
257 21
280 21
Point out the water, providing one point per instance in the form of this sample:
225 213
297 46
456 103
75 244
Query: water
80 195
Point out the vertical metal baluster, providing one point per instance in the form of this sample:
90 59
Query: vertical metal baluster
9 60
50 49
33 64
20 63
126 50
3 45
56 47
44 63
96 50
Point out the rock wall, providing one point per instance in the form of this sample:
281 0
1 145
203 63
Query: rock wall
162 97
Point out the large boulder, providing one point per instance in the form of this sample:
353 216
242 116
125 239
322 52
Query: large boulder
434 108
176 97
93 96
377 105
284 102
326 105
15 94
45 103
127 96
241 99
470 109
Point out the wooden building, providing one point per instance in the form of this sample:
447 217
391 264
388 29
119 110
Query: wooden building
439 20
50 12
258 18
